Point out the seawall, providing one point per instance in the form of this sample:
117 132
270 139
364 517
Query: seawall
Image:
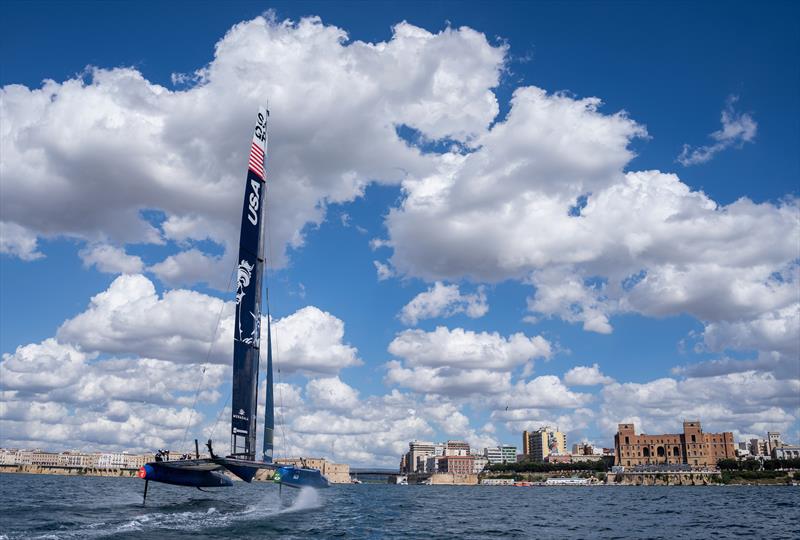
66 471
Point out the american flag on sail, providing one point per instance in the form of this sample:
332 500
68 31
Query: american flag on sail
256 163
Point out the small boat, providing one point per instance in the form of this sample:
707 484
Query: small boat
241 462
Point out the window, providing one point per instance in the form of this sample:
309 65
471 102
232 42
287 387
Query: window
627 441
694 439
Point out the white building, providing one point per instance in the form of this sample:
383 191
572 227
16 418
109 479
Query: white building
116 460
774 440
432 464
742 450
8 457
509 453
497 482
759 447
479 464
786 452
493 454
418 452
456 448
501 454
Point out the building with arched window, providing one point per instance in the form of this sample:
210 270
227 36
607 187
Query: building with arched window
692 447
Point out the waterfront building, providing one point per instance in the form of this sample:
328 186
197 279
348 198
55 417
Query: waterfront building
417 459
44 459
544 441
786 451
456 448
113 461
454 464
136 461
500 454
497 482
8 457
479 463
759 447
742 450
418 452
72 459
573 481
692 447
509 453
431 464
582 449
774 440
493 454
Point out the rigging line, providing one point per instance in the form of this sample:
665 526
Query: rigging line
219 417
276 360
205 364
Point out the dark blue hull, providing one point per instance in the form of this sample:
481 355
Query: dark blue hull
297 477
157 472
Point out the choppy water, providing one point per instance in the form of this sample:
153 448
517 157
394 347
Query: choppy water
80 507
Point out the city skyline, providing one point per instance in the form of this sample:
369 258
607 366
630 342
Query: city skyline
481 221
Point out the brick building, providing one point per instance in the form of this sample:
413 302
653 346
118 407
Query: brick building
692 447
457 464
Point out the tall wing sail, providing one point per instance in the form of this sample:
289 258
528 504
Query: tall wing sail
269 410
247 332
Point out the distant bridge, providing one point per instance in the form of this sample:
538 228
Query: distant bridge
373 474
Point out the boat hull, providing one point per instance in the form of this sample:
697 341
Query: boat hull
298 477
176 476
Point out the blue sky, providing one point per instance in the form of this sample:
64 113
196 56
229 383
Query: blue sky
426 272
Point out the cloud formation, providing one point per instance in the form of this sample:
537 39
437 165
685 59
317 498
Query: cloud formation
444 301
461 362
586 376
126 372
737 129
545 199
95 157
110 259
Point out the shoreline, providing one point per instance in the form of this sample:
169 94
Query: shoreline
132 473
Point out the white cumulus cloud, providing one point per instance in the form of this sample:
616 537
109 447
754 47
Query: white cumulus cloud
110 259
444 301
86 157
586 376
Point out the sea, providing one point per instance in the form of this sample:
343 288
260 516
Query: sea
33 506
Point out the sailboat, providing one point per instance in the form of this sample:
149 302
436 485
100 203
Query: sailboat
242 462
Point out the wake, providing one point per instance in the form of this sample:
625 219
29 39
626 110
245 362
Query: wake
269 506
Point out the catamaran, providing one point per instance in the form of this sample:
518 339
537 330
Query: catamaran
242 462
